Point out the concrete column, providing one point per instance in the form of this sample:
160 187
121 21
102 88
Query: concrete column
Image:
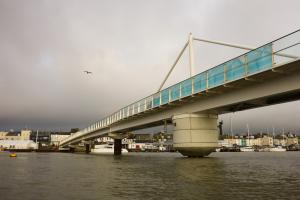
117 146
72 149
87 148
195 135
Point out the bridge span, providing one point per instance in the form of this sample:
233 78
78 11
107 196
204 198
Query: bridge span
264 76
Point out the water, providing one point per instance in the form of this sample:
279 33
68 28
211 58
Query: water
50 176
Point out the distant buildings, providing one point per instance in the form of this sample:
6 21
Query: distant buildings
45 140
29 140
260 140
49 138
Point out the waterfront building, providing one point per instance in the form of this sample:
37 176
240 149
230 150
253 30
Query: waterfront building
280 140
256 142
277 142
236 141
144 138
2 135
23 135
105 140
41 137
48 138
16 140
292 140
23 145
224 143
55 138
251 141
266 141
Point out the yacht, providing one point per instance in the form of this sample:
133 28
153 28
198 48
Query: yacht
105 149
277 149
247 149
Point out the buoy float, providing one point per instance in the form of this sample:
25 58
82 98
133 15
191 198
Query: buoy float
12 155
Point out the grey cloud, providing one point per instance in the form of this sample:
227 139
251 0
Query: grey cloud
129 46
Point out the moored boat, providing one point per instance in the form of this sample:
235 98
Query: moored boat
105 149
277 149
247 149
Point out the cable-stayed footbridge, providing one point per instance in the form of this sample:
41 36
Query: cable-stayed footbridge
267 75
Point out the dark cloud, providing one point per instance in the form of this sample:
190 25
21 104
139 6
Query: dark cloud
129 46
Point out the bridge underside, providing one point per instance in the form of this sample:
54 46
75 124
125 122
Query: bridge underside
278 85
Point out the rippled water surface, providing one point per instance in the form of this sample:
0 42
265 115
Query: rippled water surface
51 176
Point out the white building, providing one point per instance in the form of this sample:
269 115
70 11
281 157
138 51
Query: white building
225 143
56 138
18 144
23 135
105 140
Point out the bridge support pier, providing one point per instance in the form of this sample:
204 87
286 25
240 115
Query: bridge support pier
195 135
117 142
87 148
72 149
117 147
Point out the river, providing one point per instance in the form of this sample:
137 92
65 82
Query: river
66 176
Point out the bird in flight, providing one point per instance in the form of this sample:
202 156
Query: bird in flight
87 72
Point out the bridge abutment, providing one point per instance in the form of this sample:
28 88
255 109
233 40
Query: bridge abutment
195 135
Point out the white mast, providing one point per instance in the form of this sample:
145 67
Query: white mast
231 132
283 136
273 133
248 131
36 136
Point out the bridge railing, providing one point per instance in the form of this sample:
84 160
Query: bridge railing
263 58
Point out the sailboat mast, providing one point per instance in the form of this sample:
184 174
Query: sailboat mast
273 133
248 131
231 132
36 137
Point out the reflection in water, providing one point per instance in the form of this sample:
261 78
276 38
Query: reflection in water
150 176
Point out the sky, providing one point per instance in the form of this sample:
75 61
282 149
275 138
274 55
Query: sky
129 45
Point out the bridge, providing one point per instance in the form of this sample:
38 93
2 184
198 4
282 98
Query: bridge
267 75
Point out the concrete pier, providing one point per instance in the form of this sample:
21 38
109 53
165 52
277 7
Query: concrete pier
117 146
195 135
72 149
87 148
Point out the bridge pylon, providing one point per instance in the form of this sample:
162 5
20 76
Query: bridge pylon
195 135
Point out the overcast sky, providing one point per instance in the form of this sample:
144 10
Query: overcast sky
129 45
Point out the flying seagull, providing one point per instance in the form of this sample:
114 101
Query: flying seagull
87 72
